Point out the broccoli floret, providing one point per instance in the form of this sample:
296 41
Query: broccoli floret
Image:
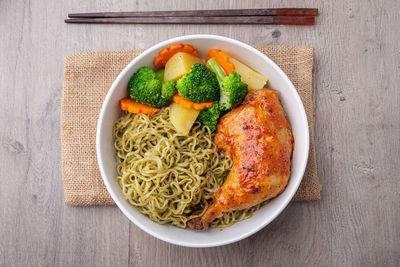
209 116
168 88
160 75
147 87
199 85
233 90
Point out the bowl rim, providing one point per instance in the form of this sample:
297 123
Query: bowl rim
99 151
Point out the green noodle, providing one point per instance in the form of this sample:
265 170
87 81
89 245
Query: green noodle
168 176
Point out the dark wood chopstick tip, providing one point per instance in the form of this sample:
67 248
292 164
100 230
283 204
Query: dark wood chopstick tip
74 15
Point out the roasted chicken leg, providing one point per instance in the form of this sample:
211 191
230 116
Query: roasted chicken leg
258 138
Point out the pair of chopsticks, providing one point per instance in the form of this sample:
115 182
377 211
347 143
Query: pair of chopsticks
273 16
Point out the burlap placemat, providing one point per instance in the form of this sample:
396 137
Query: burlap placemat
89 75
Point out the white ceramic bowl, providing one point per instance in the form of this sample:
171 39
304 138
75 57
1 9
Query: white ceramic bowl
291 103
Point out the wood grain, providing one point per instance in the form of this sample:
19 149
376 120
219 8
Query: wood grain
357 47
203 13
273 20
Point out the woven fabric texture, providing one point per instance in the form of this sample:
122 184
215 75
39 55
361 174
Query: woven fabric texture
89 75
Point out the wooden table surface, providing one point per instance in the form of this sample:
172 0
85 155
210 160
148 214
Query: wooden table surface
357 222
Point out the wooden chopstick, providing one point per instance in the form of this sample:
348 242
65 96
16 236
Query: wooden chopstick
274 20
203 13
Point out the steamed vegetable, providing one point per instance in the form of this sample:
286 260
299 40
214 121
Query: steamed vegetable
223 60
182 118
253 79
178 65
132 106
147 87
160 75
232 89
199 85
209 116
189 104
166 53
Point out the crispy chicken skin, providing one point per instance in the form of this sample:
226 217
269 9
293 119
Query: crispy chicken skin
258 138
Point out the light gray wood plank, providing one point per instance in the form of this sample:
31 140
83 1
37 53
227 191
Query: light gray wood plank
37 229
357 46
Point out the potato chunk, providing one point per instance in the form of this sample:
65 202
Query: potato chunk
182 118
253 79
178 65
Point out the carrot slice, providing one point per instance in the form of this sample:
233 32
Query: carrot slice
132 106
189 104
166 53
223 60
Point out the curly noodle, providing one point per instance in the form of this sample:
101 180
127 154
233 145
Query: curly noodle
169 176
